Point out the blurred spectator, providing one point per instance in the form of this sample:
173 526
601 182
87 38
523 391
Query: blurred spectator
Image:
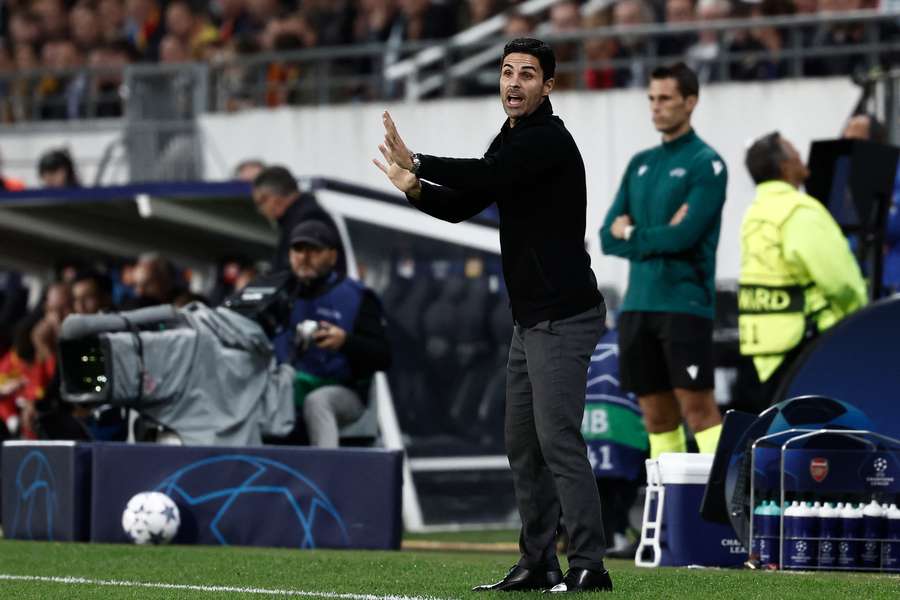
373 20
347 344
111 14
866 126
678 11
154 281
234 20
91 293
144 26
702 56
260 12
24 28
52 16
332 20
109 61
190 26
477 11
173 51
600 74
279 199
518 25
56 169
765 43
61 93
84 25
27 370
631 46
9 184
423 20
565 17
247 170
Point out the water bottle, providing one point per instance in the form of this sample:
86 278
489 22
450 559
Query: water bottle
769 532
890 550
758 516
829 534
873 531
851 532
800 550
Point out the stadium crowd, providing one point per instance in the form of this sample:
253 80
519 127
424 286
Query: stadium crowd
46 45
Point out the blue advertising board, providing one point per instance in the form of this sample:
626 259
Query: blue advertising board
612 426
824 470
269 496
46 491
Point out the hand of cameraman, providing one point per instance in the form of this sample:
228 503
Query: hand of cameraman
329 336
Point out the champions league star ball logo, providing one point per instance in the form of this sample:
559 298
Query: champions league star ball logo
825 547
800 547
880 478
223 494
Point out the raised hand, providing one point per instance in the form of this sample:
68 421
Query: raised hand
395 145
402 179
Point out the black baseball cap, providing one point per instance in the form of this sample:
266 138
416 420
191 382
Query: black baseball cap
314 233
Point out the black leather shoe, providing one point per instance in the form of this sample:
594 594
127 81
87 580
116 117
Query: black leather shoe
520 579
582 580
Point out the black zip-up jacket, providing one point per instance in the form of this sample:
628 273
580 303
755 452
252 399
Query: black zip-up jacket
535 174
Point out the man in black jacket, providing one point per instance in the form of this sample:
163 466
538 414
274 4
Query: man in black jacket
279 199
534 172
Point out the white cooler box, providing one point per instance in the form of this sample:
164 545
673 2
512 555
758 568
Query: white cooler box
672 532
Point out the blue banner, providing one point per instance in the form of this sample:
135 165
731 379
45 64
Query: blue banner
612 425
270 496
828 470
46 491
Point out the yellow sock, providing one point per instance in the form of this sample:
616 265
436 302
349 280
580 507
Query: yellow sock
708 439
668 441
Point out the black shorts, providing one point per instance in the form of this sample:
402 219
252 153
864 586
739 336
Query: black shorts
660 351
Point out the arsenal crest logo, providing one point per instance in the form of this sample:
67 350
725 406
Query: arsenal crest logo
818 468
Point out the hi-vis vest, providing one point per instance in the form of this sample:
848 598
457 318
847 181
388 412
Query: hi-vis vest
776 299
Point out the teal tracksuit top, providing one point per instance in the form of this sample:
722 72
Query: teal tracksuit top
673 267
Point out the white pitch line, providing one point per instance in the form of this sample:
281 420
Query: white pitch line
204 588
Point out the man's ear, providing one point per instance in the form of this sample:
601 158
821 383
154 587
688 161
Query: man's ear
548 85
691 102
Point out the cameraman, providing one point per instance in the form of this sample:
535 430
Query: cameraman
335 337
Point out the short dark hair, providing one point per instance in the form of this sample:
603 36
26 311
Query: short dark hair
101 280
684 77
279 179
536 48
54 160
764 158
877 130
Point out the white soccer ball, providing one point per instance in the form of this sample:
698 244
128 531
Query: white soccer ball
151 518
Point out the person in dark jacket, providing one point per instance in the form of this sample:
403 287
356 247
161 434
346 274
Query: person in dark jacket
279 199
534 172
335 338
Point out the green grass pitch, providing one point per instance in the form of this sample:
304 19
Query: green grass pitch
210 572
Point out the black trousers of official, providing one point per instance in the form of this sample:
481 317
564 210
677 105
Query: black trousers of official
545 395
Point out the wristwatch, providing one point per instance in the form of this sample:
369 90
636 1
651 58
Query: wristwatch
416 163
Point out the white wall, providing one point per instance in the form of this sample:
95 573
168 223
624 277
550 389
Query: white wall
22 147
608 126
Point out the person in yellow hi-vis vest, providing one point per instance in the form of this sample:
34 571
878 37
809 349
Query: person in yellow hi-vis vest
798 275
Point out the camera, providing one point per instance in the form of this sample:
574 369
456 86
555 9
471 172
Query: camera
303 334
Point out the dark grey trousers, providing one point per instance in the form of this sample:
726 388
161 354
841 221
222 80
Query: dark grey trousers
546 380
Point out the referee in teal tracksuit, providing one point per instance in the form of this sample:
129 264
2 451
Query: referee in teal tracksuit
665 220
